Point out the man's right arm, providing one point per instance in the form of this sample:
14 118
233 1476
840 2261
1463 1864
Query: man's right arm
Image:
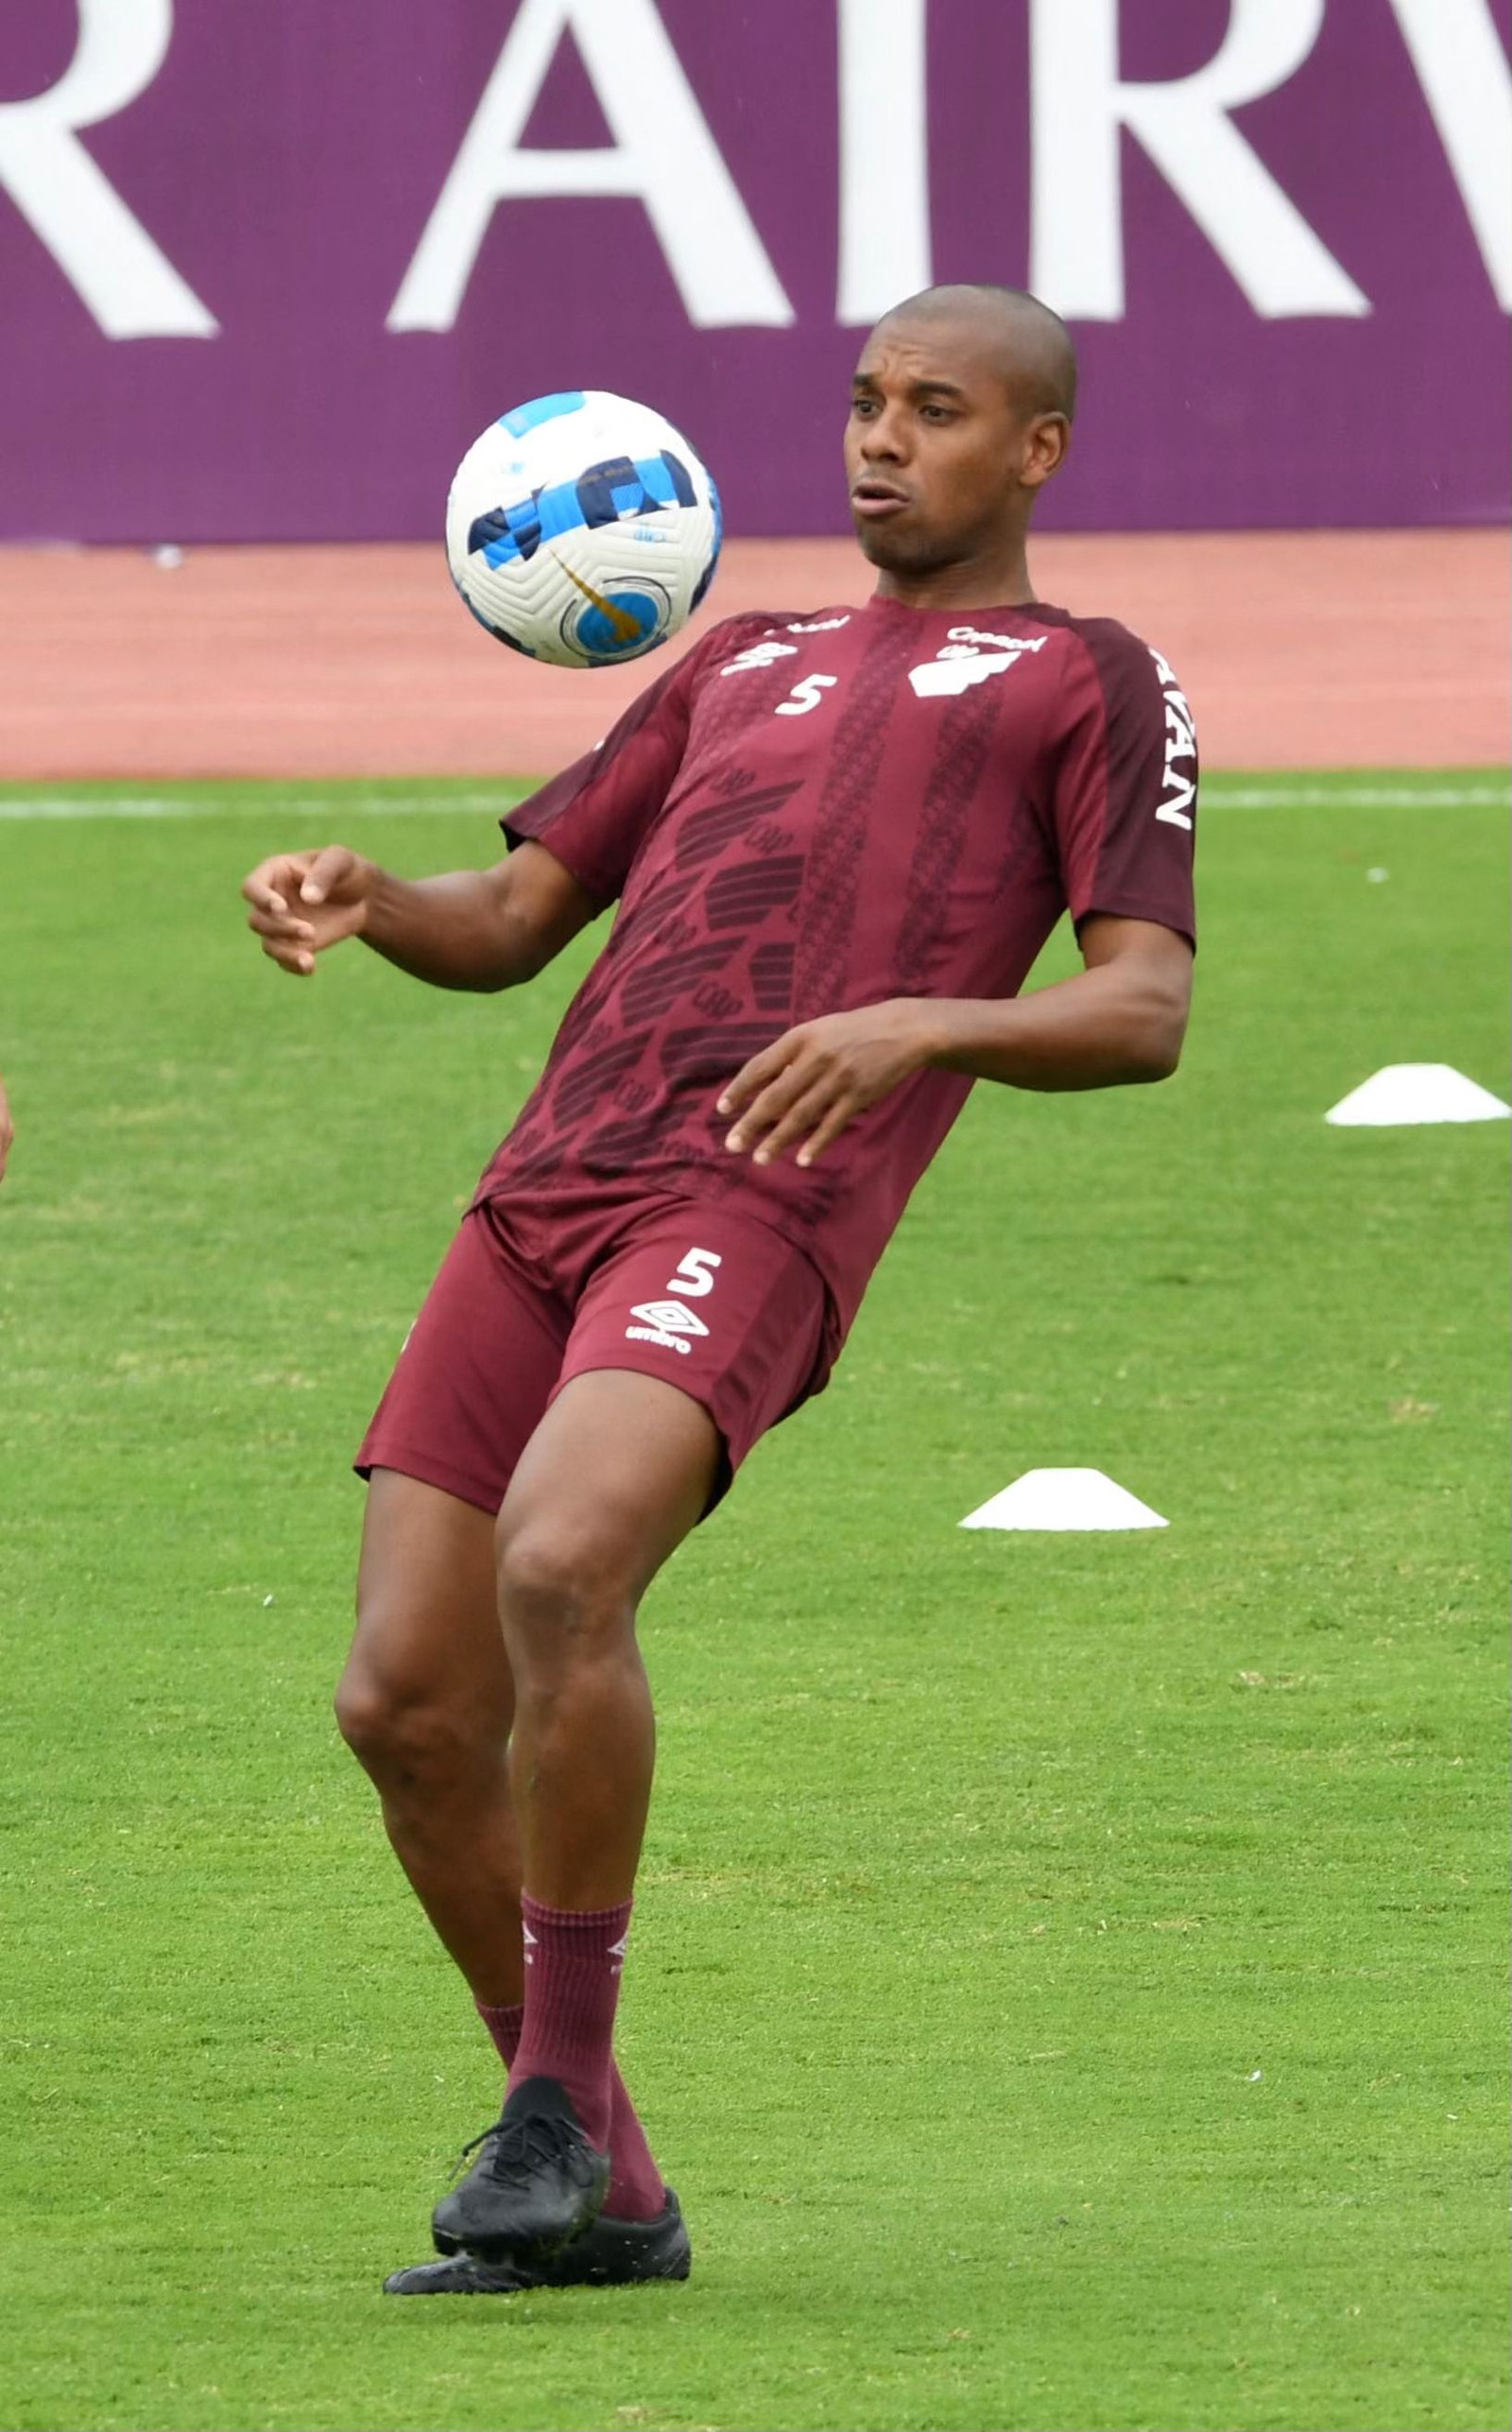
482 929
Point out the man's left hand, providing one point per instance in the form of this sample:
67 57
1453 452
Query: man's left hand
801 1090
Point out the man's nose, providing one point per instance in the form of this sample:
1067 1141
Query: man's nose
882 441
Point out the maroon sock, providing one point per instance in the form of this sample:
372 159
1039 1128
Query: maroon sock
573 1958
503 2021
636 2190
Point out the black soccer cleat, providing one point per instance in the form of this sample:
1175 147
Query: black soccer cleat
459 2275
536 2183
612 2255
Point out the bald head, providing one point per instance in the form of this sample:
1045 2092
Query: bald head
1029 344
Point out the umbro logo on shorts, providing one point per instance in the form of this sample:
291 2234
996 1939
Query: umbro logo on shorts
666 1322
671 1324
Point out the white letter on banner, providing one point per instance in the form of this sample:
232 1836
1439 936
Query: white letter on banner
885 222
131 287
1468 86
662 153
1078 106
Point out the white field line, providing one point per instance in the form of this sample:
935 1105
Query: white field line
1216 795
197 806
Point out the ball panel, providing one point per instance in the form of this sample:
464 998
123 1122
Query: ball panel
540 409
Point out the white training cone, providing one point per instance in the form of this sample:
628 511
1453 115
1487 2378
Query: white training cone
1064 1499
1419 1093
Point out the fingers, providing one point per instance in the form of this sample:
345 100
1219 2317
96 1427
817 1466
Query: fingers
325 873
802 1090
270 890
288 942
278 920
289 955
281 890
780 1119
754 1076
830 1129
765 1087
288 878
814 1121
799 1096
272 885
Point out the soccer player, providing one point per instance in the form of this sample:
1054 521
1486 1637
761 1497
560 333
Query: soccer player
837 843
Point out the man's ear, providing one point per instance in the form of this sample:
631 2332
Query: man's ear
1045 443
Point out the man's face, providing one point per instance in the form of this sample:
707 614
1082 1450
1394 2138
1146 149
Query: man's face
940 457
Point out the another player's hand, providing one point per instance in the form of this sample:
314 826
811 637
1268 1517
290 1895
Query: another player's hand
304 902
801 1090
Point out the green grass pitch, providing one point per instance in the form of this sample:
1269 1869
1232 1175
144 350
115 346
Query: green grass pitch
1067 1981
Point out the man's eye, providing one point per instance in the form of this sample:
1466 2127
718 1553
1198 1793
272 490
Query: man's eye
862 406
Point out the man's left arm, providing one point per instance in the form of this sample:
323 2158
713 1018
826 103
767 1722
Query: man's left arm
1122 1019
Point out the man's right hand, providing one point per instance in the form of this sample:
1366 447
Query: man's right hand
477 929
304 902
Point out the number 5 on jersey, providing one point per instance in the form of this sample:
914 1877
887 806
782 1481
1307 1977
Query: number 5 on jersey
806 694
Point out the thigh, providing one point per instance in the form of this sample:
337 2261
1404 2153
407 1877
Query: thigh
619 1469
427 1634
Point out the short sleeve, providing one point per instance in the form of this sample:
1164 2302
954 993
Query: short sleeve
595 814
1123 782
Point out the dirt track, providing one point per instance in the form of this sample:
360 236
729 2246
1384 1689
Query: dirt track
1363 649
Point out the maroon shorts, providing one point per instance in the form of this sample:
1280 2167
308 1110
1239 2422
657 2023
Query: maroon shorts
716 1304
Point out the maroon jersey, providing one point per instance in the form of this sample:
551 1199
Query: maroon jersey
813 813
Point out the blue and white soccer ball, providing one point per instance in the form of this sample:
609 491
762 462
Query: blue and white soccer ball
582 528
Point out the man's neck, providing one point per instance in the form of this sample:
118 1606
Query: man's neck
1003 583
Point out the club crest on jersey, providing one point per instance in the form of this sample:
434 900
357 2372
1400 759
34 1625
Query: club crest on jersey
960 663
666 1322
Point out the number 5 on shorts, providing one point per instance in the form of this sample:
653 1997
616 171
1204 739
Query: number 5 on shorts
692 1278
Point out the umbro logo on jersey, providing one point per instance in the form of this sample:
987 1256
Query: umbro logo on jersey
964 668
761 654
667 1323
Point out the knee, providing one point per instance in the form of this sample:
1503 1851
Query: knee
407 1734
563 1599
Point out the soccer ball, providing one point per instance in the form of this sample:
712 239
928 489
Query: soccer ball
582 529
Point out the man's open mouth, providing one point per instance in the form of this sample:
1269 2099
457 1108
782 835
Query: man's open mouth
872 497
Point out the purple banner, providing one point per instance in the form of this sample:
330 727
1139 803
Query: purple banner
265 270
